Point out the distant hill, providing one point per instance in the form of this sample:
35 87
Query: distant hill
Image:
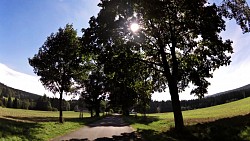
21 81
242 89
7 91
217 99
208 101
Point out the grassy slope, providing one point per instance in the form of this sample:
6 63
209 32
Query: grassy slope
18 124
230 121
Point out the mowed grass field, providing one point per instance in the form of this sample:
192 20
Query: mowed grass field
227 122
230 121
18 124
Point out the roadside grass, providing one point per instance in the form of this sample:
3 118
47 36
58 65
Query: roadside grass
230 121
18 124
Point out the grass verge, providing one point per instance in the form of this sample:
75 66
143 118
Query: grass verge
229 122
17 124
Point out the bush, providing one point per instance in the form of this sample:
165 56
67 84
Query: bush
1 103
54 109
111 111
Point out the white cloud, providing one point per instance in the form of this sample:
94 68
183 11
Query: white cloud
24 82
237 73
20 80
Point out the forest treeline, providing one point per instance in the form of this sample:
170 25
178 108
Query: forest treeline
14 98
217 99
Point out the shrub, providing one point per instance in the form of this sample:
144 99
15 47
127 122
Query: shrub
54 109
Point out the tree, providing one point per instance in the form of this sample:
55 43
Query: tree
144 96
238 10
121 71
4 102
43 103
1 93
16 103
66 106
104 106
57 62
25 104
176 38
121 66
1 103
31 103
9 102
94 91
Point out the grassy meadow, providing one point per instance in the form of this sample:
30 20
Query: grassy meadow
19 124
230 121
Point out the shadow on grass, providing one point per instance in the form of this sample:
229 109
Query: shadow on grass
83 121
27 128
228 129
22 130
33 119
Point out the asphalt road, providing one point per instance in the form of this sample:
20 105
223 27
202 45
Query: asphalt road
111 128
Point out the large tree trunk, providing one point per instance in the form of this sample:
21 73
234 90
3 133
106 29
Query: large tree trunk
97 113
60 108
91 112
178 118
97 109
173 89
125 112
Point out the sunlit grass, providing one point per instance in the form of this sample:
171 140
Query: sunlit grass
239 107
227 121
209 123
34 113
18 124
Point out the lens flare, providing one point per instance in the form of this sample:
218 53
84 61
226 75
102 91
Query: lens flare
134 27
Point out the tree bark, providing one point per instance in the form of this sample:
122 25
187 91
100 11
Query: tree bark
91 112
178 118
60 108
125 110
173 89
97 108
97 113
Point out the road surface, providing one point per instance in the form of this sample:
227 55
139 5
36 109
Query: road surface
111 128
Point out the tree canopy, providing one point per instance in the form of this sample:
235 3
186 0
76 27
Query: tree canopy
179 41
133 48
58 61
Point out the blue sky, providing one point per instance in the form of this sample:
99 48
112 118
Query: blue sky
25 24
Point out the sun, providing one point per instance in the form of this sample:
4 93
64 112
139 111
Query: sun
134 27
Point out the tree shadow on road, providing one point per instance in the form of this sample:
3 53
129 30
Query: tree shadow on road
119 122
114 121
140 119
123 137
